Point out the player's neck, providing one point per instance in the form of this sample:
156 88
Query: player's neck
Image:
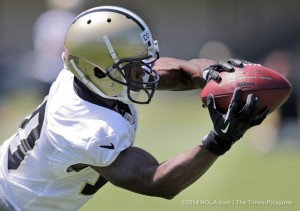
86 94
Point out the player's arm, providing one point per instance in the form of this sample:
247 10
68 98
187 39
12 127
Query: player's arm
138 171
178 74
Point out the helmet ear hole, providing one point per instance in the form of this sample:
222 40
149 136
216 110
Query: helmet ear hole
98 73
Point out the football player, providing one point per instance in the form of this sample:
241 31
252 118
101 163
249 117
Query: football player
82 135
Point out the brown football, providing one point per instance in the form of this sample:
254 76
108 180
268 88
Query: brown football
268 85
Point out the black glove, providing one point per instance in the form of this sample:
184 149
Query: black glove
230 127
212 72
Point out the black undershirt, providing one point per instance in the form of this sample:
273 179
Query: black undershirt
86 94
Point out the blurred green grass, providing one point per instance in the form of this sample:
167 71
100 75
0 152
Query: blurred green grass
172 124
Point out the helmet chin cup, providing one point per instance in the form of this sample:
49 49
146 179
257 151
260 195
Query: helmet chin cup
128 98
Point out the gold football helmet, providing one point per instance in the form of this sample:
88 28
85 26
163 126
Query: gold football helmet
111 50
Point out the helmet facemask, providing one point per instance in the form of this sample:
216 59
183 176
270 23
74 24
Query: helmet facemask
138 78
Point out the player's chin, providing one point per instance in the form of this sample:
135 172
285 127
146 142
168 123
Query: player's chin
134 88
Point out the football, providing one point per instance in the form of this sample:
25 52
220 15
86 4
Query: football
268 85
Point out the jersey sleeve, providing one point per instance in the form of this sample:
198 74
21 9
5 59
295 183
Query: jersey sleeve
102 152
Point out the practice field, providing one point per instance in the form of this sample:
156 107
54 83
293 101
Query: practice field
242 179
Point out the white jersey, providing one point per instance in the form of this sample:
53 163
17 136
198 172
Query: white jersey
35 171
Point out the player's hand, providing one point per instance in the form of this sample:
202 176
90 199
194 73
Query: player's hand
230 127
212 72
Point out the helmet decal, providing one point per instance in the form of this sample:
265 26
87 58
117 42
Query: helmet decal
146 36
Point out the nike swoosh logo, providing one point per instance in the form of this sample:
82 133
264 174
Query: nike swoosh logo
111 146
226 128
